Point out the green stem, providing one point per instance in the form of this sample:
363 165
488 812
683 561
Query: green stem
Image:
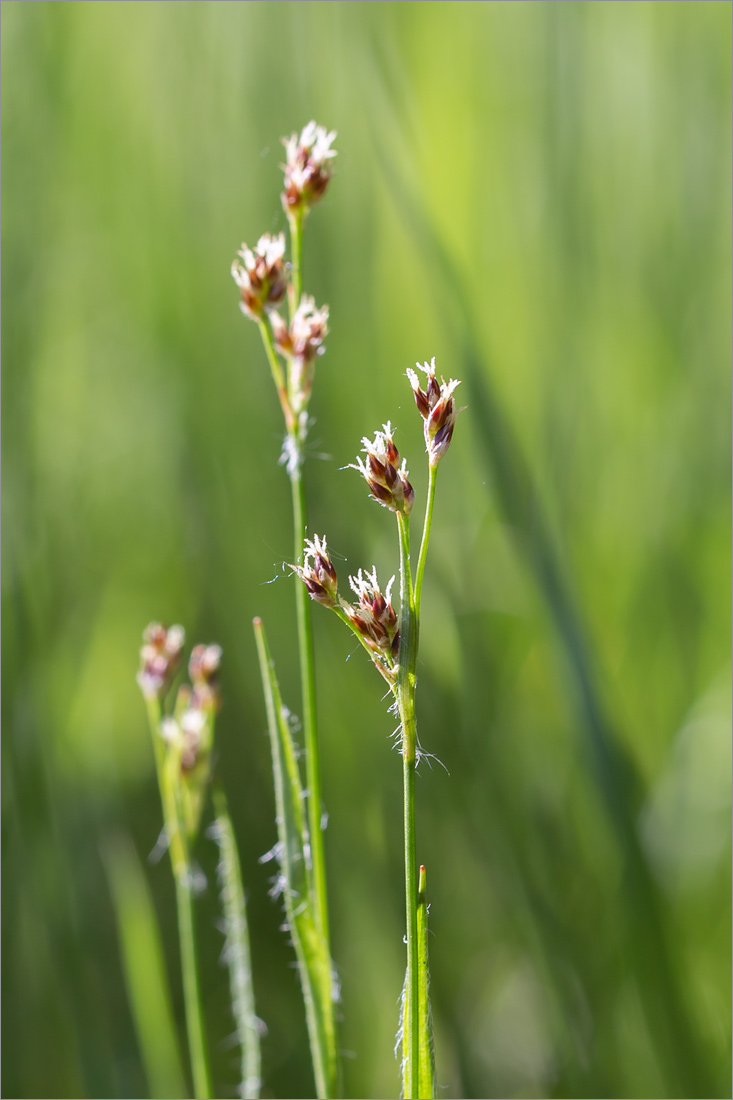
432 471
154 717
277 375
191 992
167 770
295 289
305 630
406 702
308 685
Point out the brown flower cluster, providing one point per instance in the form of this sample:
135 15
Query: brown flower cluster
373 616
308 168
386 479
261 275
437 408
318 574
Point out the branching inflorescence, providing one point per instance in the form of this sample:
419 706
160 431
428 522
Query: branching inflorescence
183 735
372 618
292 345
392 643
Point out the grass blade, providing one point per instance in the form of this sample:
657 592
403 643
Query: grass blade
314 963
236 950
426 1053
425 1075
145 977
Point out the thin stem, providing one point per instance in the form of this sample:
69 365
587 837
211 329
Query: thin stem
308 685
410 1038
191 992
407 657
295 220
406 701
178 849
154 716
305 630
432 471
277 375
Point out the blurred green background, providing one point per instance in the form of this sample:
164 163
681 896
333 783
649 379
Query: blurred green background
539 195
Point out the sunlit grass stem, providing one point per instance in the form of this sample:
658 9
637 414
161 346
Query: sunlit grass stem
406 684
432 471
308 682
295 221
294 468
278 376
305 630
406 704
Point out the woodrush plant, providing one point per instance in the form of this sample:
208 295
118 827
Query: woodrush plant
183 739
264 281
392 643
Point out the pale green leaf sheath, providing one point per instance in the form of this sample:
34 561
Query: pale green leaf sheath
295 883
236 951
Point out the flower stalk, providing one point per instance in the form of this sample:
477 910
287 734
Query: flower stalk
409 626
310 726
299 342
392 645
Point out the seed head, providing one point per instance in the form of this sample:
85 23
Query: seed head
387 482
374 617
300 343
318 574
160 657
437 408
307 171
261 275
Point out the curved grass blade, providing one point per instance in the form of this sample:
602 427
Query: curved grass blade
236 949
314 963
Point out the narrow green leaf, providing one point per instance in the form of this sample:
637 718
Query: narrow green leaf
145 976
426 1064
424 1076
236 950
314 963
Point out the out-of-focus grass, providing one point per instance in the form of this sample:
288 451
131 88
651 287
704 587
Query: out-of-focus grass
573 163
147 984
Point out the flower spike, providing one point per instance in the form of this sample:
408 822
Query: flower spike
307 171
374 617
261 275
388 482
317 573
437 408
